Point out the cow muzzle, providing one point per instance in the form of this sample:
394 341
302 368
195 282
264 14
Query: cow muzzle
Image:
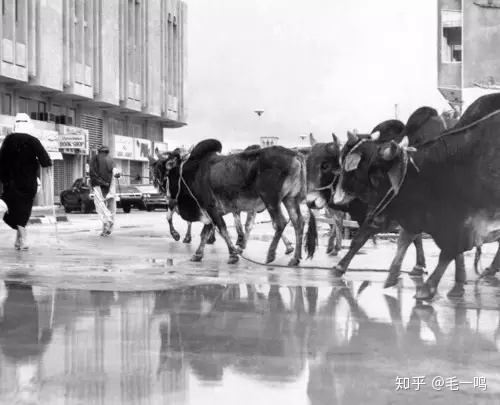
314 200
340 197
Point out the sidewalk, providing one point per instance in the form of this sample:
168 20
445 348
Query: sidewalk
45 215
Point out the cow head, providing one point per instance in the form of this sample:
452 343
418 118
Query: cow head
162 166
322 170
369 170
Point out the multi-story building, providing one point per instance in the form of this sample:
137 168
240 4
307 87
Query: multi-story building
468 43
93 72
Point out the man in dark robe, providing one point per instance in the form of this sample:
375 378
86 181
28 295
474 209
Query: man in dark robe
20 156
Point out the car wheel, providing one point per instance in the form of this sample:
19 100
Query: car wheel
126 209
149 208
67 210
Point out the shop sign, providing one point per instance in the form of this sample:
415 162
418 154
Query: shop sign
124 147
160 148
142 149
73 140
4 131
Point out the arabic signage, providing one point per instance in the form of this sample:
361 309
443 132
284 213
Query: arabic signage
160 147
142 149
124 147
49 139
73 140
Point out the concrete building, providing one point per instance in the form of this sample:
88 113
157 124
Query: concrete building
468 43
93 72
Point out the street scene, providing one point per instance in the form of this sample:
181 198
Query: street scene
264 201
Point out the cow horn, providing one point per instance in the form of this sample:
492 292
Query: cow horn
312 140
335 139
404 143
375 136
352 137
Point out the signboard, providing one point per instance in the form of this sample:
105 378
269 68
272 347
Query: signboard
160 147
142 149
4 131
49 140
124 147
73 140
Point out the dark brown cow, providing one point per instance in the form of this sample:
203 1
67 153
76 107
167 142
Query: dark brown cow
448 188
207 186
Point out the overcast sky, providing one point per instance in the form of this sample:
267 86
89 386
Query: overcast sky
318 66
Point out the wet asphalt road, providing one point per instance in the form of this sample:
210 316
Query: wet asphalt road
129 320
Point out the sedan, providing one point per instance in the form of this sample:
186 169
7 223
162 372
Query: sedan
77 198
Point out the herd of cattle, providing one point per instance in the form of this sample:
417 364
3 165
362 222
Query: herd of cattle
422 177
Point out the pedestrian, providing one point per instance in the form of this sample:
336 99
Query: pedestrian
21 155
103 173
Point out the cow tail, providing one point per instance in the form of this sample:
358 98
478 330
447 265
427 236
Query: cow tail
311 239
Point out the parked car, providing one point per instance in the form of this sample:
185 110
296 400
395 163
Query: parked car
129 196
151 197
78 198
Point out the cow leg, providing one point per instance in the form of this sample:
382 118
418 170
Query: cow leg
494 266
249 223
221 225
405 239
293 207
458 290
279 224
173 232
288 243
211 237
187 238
419 268
239 230
428 290
205 233
366 231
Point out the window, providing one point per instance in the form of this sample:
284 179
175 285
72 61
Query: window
42 107
170 59
20 17
72 115
8 10
117 126
175 58
56 110
451 43
6 104
87 15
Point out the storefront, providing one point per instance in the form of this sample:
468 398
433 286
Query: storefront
132 155
74 147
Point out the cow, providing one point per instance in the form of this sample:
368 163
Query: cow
322 174
448 188
243 233
208 185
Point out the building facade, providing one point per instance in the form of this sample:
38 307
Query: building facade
92 73
468 43
266 141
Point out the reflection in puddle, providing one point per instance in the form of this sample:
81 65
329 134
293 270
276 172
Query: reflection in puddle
237 343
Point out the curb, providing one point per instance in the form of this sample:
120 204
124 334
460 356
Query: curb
48 219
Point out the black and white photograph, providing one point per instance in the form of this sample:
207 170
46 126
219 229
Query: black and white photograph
220 202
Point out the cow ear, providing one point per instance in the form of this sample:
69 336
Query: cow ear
352 162
312 140
389 151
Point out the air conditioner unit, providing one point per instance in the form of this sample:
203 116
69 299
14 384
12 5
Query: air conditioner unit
64 120
34 116
43 116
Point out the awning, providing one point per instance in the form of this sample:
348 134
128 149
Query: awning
56 155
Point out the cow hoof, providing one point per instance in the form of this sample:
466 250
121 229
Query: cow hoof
418 271
239 250
294 262
333 253
489 272
211 241
176 236
233 259
425 292
457 291
187 239
289 249
270 258
392 280
196 258
338 271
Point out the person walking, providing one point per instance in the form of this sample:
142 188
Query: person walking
20 156
103 173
